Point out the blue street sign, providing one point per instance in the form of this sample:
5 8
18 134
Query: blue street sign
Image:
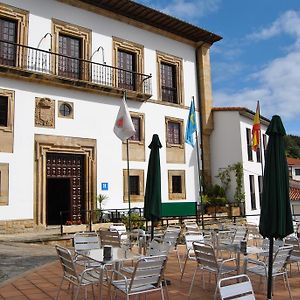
104 186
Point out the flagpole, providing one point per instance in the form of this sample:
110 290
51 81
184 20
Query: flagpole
128 186
199 174
261 151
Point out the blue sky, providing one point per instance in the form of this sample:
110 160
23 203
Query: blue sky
259 56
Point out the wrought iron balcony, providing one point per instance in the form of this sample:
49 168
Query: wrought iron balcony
37 61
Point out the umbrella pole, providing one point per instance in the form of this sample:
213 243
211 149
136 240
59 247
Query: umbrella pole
152 228
270 269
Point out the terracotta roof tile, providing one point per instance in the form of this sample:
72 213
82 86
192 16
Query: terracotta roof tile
293 161
294 193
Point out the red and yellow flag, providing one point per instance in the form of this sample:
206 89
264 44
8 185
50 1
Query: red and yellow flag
256 129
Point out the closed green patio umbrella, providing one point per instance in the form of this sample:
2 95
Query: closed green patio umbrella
152 201
275 218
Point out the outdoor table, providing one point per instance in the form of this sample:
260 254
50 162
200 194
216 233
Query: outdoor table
118 256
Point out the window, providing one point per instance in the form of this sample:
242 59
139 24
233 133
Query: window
176 180
129 58
175 150
297 172
249 144
290 169
126 76
65 110
8 33
137 141
136 181
13 30
134 185
73 43
69 47
168 83
4 183
265 144
137 126
258 155
7 104
260 188
3 111
174 133
170 78
252 192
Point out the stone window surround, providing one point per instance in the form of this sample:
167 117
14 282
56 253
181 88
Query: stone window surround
141 116
10 109
181 122
22 19
133 198
71 104
131 47
176 196
177 62
62 27
4 184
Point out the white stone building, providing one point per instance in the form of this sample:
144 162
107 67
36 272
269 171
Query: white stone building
64 66
231 143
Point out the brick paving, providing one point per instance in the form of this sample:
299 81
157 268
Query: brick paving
43 283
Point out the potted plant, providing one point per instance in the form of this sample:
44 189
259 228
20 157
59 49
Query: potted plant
215 200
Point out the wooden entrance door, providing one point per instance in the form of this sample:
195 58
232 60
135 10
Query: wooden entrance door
65 187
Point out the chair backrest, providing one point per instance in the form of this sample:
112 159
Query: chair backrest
120 228
293 241
191 226
280 258
148 272
172 234
111 238
236 287
86 241
191 237
158 247
67 264
205 256
240 234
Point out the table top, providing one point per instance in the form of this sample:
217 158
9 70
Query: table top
118 255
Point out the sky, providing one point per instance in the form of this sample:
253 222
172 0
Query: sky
258 57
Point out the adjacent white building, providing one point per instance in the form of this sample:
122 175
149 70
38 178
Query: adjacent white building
231 143
64 66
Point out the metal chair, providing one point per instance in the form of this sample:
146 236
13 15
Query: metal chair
240 289
171 236
280 260
146 277
85 241
190 237
89 276
111 238
295 255
207 261
120 228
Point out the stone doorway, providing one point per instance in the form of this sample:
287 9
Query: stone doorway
78 178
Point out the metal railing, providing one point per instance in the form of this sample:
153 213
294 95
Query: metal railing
46 62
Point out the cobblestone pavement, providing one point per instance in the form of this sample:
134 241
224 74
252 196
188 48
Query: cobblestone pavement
18 257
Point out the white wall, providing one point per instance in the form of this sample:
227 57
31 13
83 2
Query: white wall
94 115
228 146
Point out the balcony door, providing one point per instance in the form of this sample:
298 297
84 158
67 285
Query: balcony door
8 33
69 64
126 76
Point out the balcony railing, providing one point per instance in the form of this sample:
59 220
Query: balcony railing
49 63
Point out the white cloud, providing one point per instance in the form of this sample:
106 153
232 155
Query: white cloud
185 9
190 9
278 82
288 23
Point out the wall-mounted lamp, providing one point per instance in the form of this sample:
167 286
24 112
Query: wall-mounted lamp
97 50
48 33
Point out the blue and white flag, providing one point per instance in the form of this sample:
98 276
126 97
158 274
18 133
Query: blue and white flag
191 126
